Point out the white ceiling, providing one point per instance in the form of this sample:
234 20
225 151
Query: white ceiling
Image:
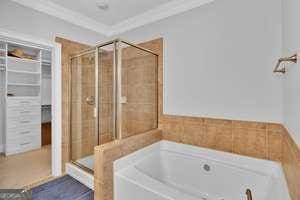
119 10
122 15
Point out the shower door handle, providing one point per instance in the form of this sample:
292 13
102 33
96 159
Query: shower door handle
90 100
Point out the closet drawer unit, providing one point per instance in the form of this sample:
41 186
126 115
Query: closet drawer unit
13 112
22 121
23 144
23 102
27 131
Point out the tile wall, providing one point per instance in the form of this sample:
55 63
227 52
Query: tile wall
107 153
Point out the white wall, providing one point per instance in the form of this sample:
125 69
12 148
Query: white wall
291 44
24 20
21 19
219 60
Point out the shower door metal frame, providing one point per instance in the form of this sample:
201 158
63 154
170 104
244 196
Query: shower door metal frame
117 83
95 109
117 90
118 67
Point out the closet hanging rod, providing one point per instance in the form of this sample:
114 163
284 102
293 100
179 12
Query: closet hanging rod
293 59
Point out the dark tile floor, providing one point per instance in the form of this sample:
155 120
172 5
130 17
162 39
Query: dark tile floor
64 188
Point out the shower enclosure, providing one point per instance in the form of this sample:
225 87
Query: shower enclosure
114 95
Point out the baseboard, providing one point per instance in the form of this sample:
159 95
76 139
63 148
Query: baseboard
80 175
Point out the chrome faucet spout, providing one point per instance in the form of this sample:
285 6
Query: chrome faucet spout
249 194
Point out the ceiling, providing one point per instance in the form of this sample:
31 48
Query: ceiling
118 11
121 16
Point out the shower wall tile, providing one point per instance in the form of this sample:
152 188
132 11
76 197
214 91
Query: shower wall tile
139 86
107 153
68 48
105 131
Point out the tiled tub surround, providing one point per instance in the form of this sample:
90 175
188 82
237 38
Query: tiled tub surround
291 165
107 153
174 171
256 139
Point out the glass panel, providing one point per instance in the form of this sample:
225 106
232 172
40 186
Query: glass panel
106 111
83 123
139 91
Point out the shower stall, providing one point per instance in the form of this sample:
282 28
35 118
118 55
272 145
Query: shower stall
114 95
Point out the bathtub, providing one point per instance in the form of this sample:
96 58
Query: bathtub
173 171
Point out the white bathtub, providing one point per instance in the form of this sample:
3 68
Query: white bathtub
172 171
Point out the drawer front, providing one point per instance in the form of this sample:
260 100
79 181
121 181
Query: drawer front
28 120
21 132
21 102
13 112
23 144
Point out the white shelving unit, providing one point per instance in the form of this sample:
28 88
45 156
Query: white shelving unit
3 53
22 100
46 86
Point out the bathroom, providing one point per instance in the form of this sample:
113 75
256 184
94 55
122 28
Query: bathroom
188 96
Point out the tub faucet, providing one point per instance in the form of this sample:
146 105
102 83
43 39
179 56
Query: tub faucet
249 194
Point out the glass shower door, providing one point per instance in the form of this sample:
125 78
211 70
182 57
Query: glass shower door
107 89
83 128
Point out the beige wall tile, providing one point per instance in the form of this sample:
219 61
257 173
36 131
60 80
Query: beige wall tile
250 142
218 137
107 153
275 145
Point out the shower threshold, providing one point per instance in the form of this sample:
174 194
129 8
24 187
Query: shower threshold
87 162
77 171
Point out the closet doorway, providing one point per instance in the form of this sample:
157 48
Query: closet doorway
30 149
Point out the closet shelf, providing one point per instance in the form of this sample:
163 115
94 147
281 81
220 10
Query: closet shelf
23 84
46 62
23 72
23 59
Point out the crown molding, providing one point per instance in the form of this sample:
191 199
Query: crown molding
166 10
65 14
